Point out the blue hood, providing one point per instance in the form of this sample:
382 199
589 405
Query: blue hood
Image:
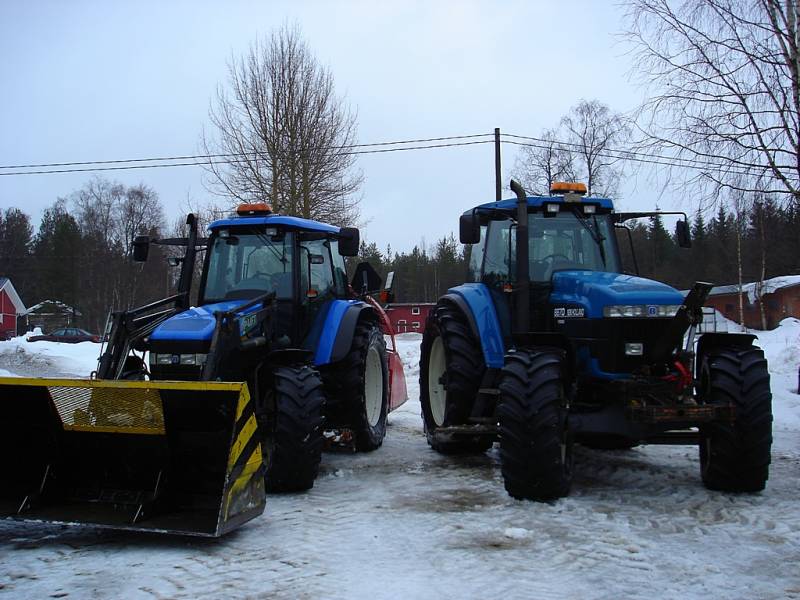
195 324
594 290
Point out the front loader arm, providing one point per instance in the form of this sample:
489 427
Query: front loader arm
130 327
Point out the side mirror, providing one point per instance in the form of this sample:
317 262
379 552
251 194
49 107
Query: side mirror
365 279
349 241
469 229
682 234
141 248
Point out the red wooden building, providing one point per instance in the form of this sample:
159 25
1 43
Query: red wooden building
780 297
10 307
409 317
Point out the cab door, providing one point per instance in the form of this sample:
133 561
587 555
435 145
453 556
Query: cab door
322 280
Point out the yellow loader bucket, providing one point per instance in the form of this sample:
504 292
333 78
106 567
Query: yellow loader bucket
165 456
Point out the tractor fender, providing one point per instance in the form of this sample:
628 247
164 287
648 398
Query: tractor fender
475 301
288 357
337 332
712 340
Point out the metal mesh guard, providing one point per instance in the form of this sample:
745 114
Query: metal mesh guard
123 410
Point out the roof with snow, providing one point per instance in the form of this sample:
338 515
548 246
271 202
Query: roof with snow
8 287
52 307
757 288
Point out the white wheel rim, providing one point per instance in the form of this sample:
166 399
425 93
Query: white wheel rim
437 395
373 387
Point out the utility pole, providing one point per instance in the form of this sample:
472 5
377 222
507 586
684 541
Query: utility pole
497 175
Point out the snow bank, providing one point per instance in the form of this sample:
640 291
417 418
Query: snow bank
782 350
47 359
408 349
782 346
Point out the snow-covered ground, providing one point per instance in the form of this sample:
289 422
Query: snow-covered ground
405 521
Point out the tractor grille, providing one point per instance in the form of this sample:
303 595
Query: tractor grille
606 339
123 410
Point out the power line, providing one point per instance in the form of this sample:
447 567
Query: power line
628 154
235 154
232 160
612 156
362 149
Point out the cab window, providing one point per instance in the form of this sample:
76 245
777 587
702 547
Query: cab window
339 271
316 270
245 264
476 257
498 264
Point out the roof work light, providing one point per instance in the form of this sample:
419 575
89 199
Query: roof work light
566 187
256 208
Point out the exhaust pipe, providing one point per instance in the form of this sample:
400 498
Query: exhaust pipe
522 292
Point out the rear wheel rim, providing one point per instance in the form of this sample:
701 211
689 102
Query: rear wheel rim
437 395
373 387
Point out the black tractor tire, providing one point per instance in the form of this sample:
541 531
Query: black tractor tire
735 457
292 442
356 381
535 443
133 369
456 355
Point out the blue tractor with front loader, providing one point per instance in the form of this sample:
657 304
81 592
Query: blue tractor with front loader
550 343
195 412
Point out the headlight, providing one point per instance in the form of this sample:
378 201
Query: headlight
177 359
623 310
640 310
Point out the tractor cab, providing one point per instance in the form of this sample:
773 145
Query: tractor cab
300 262
565 232
564 248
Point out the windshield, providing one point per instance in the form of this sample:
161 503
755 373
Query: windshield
565 241
249 263
570 241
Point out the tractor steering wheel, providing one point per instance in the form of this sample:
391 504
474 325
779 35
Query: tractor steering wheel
552 257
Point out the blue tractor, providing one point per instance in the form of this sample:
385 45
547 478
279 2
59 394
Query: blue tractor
550 344
196 411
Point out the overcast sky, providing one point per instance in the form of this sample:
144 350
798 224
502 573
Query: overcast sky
117 80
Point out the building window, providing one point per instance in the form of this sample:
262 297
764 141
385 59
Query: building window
401 322
415 324
415 310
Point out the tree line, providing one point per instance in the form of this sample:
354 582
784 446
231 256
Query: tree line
81 252
757 242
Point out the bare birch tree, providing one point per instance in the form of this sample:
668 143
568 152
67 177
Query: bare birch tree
585 147
285 135
723 78
538 166
594 131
